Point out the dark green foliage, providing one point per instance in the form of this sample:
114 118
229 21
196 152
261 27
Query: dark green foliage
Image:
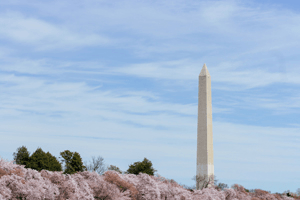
144 167
73 162
22 155
76 163
54 164
39 160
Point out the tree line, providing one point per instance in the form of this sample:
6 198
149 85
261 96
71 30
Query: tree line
71 162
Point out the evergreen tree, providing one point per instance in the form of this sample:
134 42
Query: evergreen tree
73 162
77 163
40 160
144 167
54 164
21 157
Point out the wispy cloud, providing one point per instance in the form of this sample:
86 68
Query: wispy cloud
44 35
227 76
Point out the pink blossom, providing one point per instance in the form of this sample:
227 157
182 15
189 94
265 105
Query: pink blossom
19 182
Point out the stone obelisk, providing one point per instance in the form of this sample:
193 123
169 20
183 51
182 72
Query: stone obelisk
205 153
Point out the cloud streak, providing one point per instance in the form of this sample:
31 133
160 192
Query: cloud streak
43 35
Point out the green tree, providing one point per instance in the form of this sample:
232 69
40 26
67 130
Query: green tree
73 162
21 157
114 168
40 160
141 167
54 164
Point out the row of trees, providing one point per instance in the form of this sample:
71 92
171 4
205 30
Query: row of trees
16 182
71 162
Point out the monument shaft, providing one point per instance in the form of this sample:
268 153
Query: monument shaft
205 158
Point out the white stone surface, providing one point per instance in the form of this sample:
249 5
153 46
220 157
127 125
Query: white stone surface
205 157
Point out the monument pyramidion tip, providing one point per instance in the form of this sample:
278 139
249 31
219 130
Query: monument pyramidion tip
204 71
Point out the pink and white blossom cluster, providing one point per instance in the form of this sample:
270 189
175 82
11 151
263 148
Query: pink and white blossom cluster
17 182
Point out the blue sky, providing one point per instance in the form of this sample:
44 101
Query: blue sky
119 79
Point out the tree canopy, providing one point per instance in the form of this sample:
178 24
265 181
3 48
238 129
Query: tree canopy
141 167
39 160
21 157
73 162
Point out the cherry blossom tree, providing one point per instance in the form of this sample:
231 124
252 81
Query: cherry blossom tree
18 182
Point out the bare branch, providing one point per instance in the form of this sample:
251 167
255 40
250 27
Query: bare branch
97 165
203 182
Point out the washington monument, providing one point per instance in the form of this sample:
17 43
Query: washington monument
205 153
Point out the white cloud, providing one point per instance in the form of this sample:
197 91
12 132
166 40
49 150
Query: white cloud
44 35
